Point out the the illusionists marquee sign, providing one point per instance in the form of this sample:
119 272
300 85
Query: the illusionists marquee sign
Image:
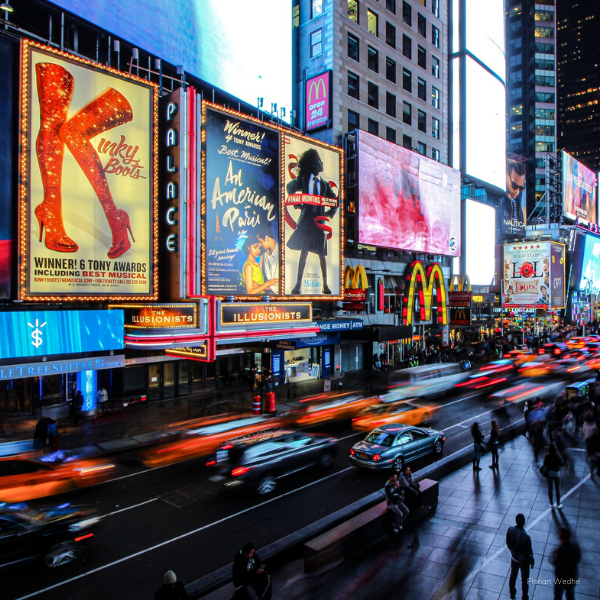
88 225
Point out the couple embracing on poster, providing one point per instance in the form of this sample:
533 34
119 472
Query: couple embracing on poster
261 267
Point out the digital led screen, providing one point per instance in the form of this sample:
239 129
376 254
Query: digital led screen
485 33
579 190
480 243
45 333
241 47
88 191
407 201
590 264
485 126
534 275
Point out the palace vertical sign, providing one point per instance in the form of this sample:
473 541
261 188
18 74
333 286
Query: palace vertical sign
318 101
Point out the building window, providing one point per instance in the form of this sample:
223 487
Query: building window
544 32
540 113
407 80
390 34
541 48
424 3
544 80
391 5
296 16
544 97
435 8
435 36
353 47
435 67
317 8
353 120
373 95
372 25
422 25
422 148
421 89
373 59
390 104
353 10
407 141
390 69
435 128
316 43
390 134
544 16
435 154
544 64
435 97
406 113
422 121
353 85
373 127
407 13
406 46
421 57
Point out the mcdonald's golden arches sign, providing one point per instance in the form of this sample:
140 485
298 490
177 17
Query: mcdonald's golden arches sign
425 283
356 284
318 101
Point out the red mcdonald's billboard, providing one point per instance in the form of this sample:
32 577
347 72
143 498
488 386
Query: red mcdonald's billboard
317 107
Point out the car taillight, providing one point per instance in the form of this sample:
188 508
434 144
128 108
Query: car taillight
352 451
557 351
211 463
376 457
239 471
227 447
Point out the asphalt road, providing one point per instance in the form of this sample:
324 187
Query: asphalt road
174 517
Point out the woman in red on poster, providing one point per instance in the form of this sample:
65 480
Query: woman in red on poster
110 109
311 234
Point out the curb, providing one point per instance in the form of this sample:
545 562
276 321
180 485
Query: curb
290 547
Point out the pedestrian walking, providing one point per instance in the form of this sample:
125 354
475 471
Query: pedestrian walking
494 442
536 435
249 575
52 432
478 438
566 559
394 496
590 435
551 470
40 434
521 552
102 398
171 589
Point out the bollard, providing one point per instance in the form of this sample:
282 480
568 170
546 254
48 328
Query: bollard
270 403
256 405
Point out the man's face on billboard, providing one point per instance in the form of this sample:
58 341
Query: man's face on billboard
515 184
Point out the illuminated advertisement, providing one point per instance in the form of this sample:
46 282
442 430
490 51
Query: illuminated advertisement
590 265
44 333
534 275
424 285
88 193
239 313
512 212
159 316
407 201
318 101
227 44
579 190
480 242
242 200
312 217
485 32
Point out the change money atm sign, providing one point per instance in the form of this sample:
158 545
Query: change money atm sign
317 107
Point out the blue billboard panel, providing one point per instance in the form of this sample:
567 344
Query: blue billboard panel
45 333
590 265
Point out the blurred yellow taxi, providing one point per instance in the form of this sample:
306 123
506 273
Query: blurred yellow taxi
535 368
25 477
333 409
407 413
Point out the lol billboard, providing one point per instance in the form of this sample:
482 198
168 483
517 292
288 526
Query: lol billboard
407 201
534 275
88 194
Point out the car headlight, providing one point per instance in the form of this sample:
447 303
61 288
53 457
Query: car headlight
84 524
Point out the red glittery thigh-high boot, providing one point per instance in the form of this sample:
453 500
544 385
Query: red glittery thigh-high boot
55 90
105 112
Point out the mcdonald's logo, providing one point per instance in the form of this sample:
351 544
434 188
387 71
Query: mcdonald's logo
356 284
316 107
462 282
460 316
424 283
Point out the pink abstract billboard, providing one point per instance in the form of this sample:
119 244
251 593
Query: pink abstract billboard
407 201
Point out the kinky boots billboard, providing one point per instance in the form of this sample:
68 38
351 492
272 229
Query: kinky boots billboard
88 224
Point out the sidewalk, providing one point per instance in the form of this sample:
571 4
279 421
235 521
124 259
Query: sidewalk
142 423
468 529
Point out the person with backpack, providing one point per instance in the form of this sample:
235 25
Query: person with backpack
394 497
